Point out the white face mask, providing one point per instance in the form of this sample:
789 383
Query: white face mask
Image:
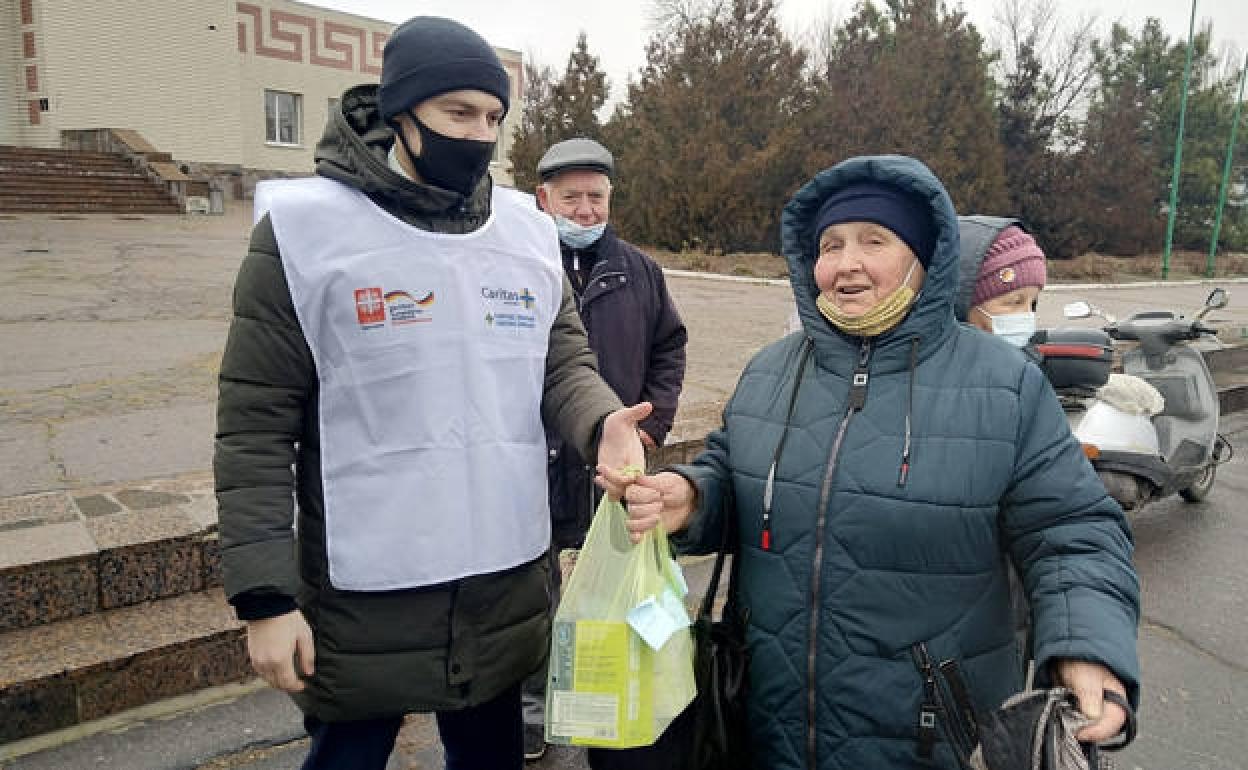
578 236
1015 328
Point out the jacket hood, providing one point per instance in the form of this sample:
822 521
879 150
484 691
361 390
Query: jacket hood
354 149
931 318
977 234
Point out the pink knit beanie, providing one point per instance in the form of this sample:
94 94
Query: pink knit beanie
1012 262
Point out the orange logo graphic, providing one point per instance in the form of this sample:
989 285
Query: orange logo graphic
369 307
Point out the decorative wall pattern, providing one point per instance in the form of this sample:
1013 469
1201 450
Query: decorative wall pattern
30 65
62 74
284 35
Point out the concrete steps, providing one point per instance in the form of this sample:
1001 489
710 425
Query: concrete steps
66 205
75 671
55 180
63 556
110 599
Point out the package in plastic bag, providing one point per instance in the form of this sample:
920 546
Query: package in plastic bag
621 661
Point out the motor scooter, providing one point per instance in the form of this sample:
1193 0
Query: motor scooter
1151 431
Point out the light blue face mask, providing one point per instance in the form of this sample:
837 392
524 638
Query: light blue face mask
1015 328
577 236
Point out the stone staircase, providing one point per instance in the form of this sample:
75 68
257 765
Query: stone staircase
110 599
73 181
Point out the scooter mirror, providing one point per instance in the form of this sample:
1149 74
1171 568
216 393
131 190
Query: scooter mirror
1078 309
1217 299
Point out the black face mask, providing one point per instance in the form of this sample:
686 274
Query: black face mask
453 164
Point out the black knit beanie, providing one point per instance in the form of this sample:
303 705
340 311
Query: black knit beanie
884 205
429 55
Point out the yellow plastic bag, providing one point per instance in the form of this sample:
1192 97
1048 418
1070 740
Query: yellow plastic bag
621 661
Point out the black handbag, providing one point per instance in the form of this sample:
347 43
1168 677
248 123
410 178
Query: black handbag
710 734
720 738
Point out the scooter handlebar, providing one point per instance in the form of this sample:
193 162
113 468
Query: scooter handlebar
1193 331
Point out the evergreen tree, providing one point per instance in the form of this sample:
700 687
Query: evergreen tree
534 133
1210 105
557 110
709 142
1117 196
913 78
583 91
1130 139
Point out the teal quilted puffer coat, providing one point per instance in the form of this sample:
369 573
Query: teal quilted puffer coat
876 576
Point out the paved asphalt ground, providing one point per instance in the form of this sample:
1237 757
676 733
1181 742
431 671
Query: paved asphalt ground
111 332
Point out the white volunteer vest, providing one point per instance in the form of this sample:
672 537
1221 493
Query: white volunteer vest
430 350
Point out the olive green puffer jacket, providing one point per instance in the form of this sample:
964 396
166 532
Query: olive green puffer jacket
433 648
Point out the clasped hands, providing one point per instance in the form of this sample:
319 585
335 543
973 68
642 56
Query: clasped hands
666 497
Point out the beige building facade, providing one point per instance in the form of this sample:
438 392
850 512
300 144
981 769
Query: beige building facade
220 84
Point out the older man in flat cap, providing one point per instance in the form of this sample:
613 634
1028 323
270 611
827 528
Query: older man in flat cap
633 328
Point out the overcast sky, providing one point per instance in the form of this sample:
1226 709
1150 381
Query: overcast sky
617 30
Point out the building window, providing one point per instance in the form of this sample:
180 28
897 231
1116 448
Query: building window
282 117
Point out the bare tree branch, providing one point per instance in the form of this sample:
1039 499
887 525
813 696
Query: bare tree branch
669 17
1064 51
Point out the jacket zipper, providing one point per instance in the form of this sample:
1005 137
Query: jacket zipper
965 710
857 398
586 295
936 716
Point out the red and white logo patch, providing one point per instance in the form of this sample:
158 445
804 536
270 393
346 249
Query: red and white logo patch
370 308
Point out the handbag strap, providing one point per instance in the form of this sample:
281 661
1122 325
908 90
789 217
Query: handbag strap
729 529
1127 735
712 588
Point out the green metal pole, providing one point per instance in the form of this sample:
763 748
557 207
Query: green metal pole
1178 150
1226 173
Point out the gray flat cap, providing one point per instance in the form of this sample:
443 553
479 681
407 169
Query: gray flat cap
575 153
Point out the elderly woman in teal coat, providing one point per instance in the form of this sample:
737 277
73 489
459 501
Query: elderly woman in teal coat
883 466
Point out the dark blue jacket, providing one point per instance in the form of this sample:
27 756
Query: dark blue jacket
639 338
869 569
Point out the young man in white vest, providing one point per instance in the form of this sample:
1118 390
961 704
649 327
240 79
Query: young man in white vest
402 333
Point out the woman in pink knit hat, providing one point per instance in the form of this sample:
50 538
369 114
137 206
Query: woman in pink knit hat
1003 273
